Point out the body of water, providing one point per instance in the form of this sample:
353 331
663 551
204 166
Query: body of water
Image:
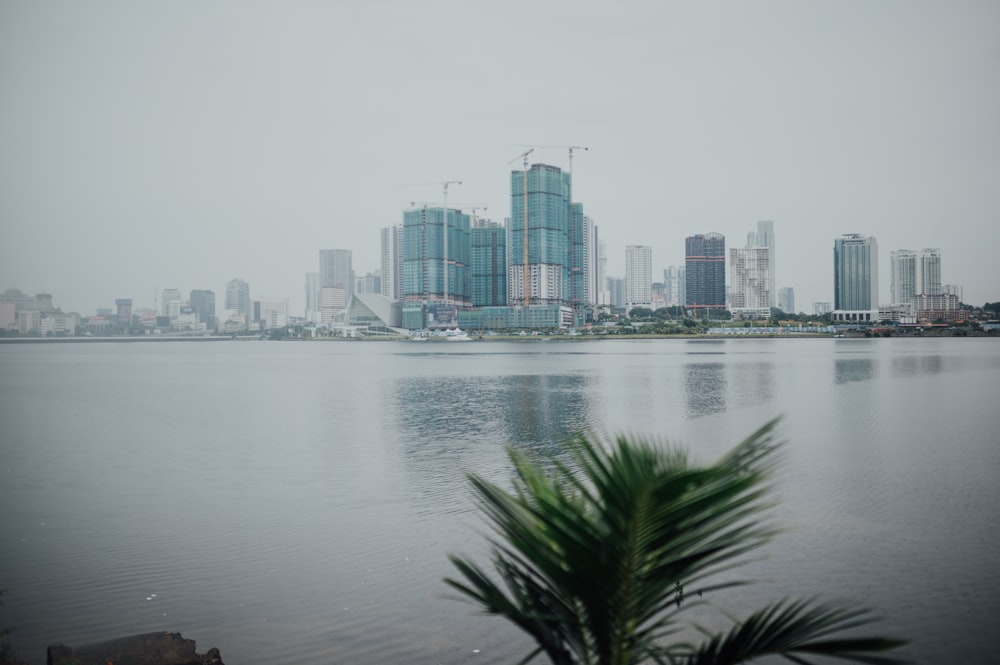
296 502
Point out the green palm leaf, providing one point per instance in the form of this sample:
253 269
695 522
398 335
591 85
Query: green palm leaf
597 560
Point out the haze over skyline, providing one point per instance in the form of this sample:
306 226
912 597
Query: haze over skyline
152 146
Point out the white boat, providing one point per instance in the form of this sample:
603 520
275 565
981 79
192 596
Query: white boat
457 335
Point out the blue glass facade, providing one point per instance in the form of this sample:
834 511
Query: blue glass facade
489 266
423 256
855 273
548 235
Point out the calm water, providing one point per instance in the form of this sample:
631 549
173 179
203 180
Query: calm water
295 502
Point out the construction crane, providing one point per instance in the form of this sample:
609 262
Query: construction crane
472 209
527 272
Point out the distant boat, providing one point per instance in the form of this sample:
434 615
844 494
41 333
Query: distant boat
457 335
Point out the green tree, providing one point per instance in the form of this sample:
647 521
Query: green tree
598 561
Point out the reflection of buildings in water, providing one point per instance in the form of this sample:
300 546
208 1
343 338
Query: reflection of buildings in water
846 370
753 383
450 425
916 365
705 388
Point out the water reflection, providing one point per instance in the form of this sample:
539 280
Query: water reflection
916 365
853 369
753 383
704 388
449 425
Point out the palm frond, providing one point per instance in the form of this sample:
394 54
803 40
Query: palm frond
793 629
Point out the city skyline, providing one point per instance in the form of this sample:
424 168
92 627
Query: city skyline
129 167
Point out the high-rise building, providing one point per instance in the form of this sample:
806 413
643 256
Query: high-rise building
424 260
786 300
616 291
370 282
855 278
954 290
902 276
765 238
929 272
335 269
603 297
705 271
238 296
168 296
392 262
750 273
673 286
543 259
489 264
591 273
312 296
638 276
203 305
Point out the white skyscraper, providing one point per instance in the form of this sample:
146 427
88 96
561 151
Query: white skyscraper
929 272
590 262
749 289
638 276
765 238
902 276
603 295
392 262
673 286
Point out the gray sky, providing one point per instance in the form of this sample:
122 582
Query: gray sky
180 144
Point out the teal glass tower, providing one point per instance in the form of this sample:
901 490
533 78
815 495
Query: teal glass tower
489 266
547 260
425 266
855 278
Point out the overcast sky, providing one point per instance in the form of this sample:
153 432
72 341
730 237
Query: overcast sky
146 146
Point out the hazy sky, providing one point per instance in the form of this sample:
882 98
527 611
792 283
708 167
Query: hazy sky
180 144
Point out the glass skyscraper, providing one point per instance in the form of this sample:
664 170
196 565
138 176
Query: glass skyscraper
423 258
705 271
543 200
552 263
855 278
489 265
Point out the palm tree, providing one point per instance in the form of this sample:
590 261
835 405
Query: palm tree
599 562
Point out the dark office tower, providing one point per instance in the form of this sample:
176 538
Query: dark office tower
705 271
203 304
489 265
